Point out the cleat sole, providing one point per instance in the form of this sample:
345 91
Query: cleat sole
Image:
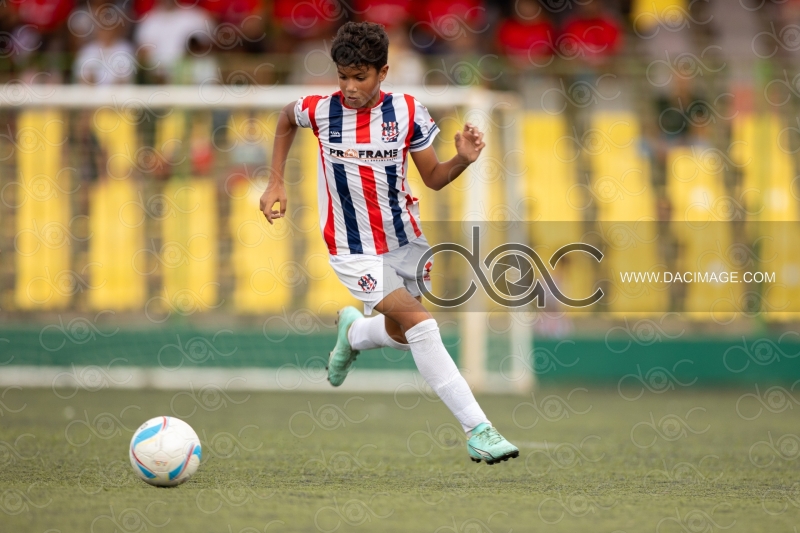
512 455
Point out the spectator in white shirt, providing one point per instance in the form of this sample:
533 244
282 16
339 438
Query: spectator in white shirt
163 34
107 60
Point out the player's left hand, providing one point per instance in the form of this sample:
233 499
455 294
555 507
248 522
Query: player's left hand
469 142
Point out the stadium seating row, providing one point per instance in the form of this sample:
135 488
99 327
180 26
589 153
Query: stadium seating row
269 264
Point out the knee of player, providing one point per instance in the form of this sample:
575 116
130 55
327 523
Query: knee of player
417 318
421 322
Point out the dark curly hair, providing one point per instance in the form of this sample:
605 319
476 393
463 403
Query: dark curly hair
360 44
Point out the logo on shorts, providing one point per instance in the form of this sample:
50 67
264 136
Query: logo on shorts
367 283
426 276
389 132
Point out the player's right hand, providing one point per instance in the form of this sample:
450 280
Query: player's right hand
275 194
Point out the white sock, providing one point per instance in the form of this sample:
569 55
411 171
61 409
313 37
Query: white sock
441 374
370 333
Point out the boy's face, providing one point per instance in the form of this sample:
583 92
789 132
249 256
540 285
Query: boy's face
361 85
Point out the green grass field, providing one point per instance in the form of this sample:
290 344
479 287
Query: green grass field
590 461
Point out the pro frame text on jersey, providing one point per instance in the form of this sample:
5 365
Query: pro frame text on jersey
372 155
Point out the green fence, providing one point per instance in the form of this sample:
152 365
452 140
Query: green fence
655 364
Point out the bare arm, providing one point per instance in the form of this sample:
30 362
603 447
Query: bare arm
276 192
436 174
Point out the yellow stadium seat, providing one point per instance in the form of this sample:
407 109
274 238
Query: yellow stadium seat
117 278
251 128
647 14
696 192
489 169
548 159
189 254
768 170
548 204
620 181
621 189
43 276
116 134
451 201
261 255
171 129
118 282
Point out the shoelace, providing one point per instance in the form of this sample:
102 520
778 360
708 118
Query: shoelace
490 436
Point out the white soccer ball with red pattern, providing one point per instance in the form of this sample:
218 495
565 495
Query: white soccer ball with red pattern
165 451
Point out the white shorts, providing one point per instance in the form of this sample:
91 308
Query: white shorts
370 278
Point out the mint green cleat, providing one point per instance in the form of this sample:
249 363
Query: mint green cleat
343 355
488 445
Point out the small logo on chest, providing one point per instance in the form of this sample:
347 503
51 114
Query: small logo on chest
389 132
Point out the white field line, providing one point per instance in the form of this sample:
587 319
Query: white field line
93 378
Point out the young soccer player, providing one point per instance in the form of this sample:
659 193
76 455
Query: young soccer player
370 220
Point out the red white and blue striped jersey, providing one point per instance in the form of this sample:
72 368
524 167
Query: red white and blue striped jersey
365 202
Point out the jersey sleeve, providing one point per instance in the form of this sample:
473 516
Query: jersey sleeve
304 111
425 129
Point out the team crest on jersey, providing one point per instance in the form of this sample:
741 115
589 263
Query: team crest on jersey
367 283
389 132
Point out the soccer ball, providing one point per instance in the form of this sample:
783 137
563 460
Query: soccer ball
165 451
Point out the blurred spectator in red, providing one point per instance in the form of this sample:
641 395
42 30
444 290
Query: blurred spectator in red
456 31
163 34
44 15
444 26
406 66
40 38
9 29
390 13
593 34
527 37
142 7
241 26
233 11
8 20
307 20
106 60
306 31
527 40
444 11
